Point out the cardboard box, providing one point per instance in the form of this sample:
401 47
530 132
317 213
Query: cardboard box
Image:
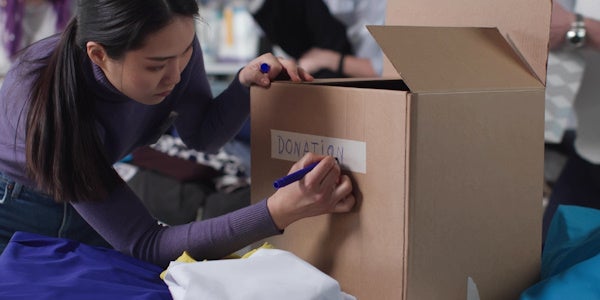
526 24
447 164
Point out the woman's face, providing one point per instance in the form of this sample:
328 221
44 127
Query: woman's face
148 74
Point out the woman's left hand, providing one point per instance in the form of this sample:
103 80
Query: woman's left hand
251 74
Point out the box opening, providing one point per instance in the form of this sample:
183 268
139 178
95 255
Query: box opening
385 84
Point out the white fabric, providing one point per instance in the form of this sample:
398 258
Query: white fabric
587 103
234 172
565 70
39 21
356 15
587 109
267 274
588 8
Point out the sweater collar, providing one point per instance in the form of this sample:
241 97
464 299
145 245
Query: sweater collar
100 80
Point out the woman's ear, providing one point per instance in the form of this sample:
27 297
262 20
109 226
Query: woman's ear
96 53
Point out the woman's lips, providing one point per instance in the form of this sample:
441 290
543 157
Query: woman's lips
164 94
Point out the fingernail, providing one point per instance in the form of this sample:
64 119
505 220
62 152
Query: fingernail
264 81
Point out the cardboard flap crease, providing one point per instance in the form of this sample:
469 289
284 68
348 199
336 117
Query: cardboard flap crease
451 59
525 23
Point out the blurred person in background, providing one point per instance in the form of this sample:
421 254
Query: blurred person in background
575 26
27 21
328 38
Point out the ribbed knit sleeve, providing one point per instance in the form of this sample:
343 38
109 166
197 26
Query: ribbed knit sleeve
126 224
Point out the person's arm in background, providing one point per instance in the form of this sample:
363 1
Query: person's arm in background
307 31
297 26
365 13
561 23
593 33
345 65
367 58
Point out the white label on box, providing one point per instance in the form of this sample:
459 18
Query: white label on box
286 145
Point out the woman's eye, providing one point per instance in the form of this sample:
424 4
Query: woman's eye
155 69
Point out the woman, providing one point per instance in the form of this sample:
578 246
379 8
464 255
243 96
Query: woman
121 73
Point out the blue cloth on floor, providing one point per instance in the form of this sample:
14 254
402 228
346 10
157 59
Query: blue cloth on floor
571 257
38 267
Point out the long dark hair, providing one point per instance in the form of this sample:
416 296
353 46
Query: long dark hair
65 155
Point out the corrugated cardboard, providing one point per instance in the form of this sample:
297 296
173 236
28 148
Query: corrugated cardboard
451 188
526 24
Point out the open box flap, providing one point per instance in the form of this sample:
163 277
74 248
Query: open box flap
525 23
447 59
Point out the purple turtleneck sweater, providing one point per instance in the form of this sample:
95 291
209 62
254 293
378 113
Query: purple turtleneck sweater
203 122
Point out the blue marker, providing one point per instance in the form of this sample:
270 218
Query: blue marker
265 68
291 178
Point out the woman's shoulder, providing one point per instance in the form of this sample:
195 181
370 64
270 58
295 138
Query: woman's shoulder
32 56
20 77
41 48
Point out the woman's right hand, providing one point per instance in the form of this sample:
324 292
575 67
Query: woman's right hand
322 190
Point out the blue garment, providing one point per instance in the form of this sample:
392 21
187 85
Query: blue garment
39 267
571 257
23 209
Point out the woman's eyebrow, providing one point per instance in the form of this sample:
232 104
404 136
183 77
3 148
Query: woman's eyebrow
163 58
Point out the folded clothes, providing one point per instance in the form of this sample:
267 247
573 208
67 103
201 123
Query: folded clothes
39 267
571 257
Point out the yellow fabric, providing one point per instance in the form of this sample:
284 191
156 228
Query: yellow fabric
186 258
264 246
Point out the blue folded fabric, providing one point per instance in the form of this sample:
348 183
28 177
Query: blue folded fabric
571 257
38 267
